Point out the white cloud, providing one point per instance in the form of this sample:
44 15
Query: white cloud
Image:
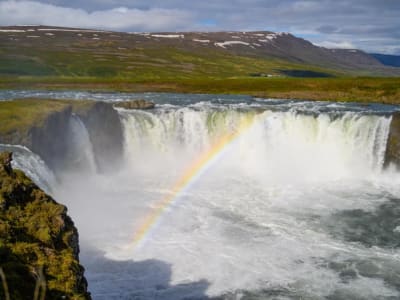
30 12
337 45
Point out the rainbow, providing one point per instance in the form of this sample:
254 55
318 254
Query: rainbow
189 177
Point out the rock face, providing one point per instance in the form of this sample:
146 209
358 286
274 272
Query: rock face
105 133
48 140
36 236
136 104
47 136
392 155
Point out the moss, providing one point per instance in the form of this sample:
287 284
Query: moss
36 233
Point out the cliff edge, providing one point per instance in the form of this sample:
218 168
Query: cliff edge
392 155
38 241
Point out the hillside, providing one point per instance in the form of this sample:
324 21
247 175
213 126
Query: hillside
388 60
262 64
60 52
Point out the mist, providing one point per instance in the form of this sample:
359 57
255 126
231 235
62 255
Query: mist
266 217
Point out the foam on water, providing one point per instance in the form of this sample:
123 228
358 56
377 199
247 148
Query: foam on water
260 222
33 166
297 207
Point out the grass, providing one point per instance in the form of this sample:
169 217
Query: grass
22 114
5 285
40 288
151 63
362 89
83 64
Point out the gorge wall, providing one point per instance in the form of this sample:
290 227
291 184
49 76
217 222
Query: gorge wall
36 237
49 137
392 155
35 231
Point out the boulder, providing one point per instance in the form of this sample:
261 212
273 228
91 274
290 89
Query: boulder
135 104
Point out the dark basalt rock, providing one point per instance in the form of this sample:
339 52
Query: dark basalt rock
392 155
135 104
48 137
36 236
106 134
48 140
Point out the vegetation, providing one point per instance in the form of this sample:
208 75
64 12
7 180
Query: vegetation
152 62
22 115
139 63
36 234
362 89
19 116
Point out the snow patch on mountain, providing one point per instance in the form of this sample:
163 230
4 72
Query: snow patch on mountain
230 43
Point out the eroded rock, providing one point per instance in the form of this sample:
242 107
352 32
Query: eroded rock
135 104
392 155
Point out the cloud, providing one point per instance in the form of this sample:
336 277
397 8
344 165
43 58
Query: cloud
327 29
337 44
119 18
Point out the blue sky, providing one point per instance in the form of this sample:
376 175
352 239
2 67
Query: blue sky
370 25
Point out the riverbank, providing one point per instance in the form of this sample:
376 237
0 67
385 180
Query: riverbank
357 89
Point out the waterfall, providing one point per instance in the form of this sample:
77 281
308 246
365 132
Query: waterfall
282 204
278 144
33 166
80 153
296 204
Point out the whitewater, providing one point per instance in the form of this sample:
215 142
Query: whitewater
298 205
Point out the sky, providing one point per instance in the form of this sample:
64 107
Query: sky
370 25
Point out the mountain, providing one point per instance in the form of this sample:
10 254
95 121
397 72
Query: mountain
388 60
56 51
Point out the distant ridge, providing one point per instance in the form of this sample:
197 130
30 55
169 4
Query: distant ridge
59 51
388 60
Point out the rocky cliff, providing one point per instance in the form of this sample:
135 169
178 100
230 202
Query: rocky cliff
392 155
43 127
105 133
38 241
47 139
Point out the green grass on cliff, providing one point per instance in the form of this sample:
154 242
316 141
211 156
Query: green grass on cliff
19 116
22 114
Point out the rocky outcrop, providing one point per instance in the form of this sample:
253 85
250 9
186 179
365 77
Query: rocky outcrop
46 132
392 155
48 140
38 241
135 104
105 132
